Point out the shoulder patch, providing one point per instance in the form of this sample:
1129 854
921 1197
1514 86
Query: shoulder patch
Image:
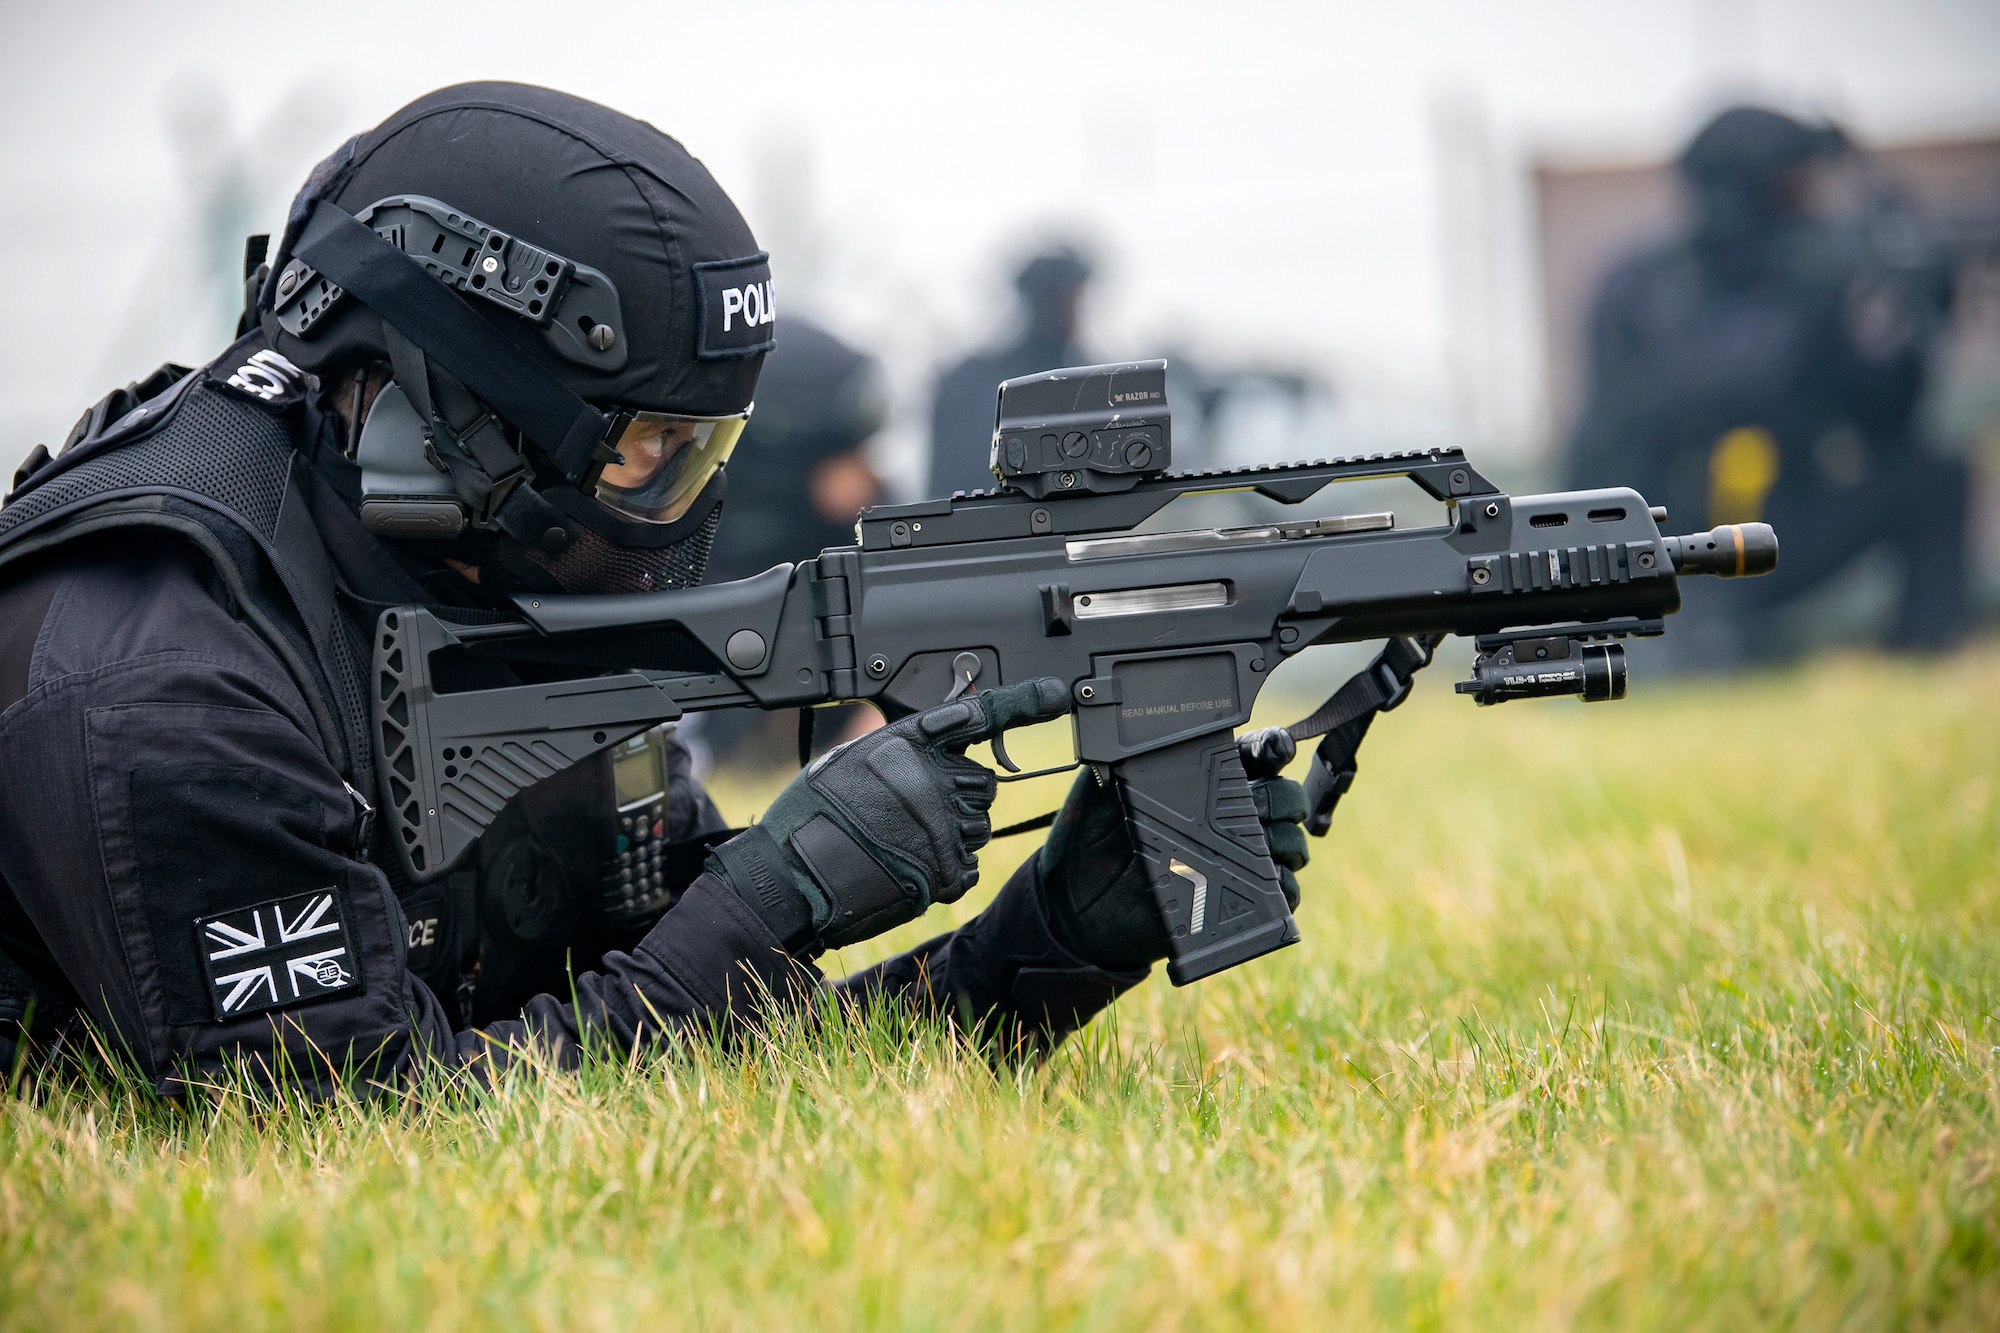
263 377
276 954
738 314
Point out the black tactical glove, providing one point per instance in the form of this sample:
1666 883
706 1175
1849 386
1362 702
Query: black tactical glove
1100 907
877 830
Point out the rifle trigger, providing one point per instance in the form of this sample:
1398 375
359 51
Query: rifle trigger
966 667
1001 757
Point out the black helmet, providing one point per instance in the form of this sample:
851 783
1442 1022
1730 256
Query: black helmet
1054 272
1742 162
575 315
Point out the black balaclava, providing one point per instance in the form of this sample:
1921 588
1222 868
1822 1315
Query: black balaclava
603 190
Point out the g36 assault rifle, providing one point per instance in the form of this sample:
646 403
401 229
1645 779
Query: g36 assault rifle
1164 638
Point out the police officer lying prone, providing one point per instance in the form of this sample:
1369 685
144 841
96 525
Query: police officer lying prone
567 315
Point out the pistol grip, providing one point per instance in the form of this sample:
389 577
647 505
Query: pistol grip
1190 815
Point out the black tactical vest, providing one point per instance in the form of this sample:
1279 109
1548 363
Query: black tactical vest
210 456
214 464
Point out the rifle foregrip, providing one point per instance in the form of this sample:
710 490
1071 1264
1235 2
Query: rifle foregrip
1189 812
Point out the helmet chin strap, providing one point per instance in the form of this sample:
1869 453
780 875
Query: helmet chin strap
487 471
517 572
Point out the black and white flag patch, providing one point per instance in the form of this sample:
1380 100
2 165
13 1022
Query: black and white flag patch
276 954
739 315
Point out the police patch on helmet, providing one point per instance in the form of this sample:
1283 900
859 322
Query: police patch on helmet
276 954
738 315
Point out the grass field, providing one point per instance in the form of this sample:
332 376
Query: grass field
1679 1013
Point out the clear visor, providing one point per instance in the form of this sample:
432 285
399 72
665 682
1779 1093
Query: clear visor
668 460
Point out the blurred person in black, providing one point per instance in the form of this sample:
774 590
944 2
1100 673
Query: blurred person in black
1051 287
800 475
1767 364
802 471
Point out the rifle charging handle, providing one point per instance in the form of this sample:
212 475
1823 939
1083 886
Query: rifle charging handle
1266 752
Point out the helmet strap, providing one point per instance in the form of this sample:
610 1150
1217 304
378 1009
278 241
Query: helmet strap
487 471
577 437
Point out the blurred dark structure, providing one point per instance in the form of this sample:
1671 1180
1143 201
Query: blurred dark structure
1769 362
798 477
1051 286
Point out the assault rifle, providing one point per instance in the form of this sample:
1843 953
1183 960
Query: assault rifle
1164 638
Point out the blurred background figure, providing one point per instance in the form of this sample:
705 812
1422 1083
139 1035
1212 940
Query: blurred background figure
1051 286
797 479
1768 363
801 472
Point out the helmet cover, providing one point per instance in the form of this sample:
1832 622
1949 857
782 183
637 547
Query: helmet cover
604 190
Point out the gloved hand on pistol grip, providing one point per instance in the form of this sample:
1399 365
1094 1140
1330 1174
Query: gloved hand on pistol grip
1281 803
872 833
1094 883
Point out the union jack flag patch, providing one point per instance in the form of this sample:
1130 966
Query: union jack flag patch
276 954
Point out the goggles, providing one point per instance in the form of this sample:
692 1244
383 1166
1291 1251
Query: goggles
668 460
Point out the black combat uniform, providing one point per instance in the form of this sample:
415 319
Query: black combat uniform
160 767
188 591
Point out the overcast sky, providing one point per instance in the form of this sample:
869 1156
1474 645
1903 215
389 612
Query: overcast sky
1259 179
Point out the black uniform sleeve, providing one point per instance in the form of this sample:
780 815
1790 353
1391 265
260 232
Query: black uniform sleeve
1620 378
185 853
1871 363
1001 977
709 962
690 812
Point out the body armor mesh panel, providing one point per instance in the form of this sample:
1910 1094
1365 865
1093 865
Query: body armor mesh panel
213 447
